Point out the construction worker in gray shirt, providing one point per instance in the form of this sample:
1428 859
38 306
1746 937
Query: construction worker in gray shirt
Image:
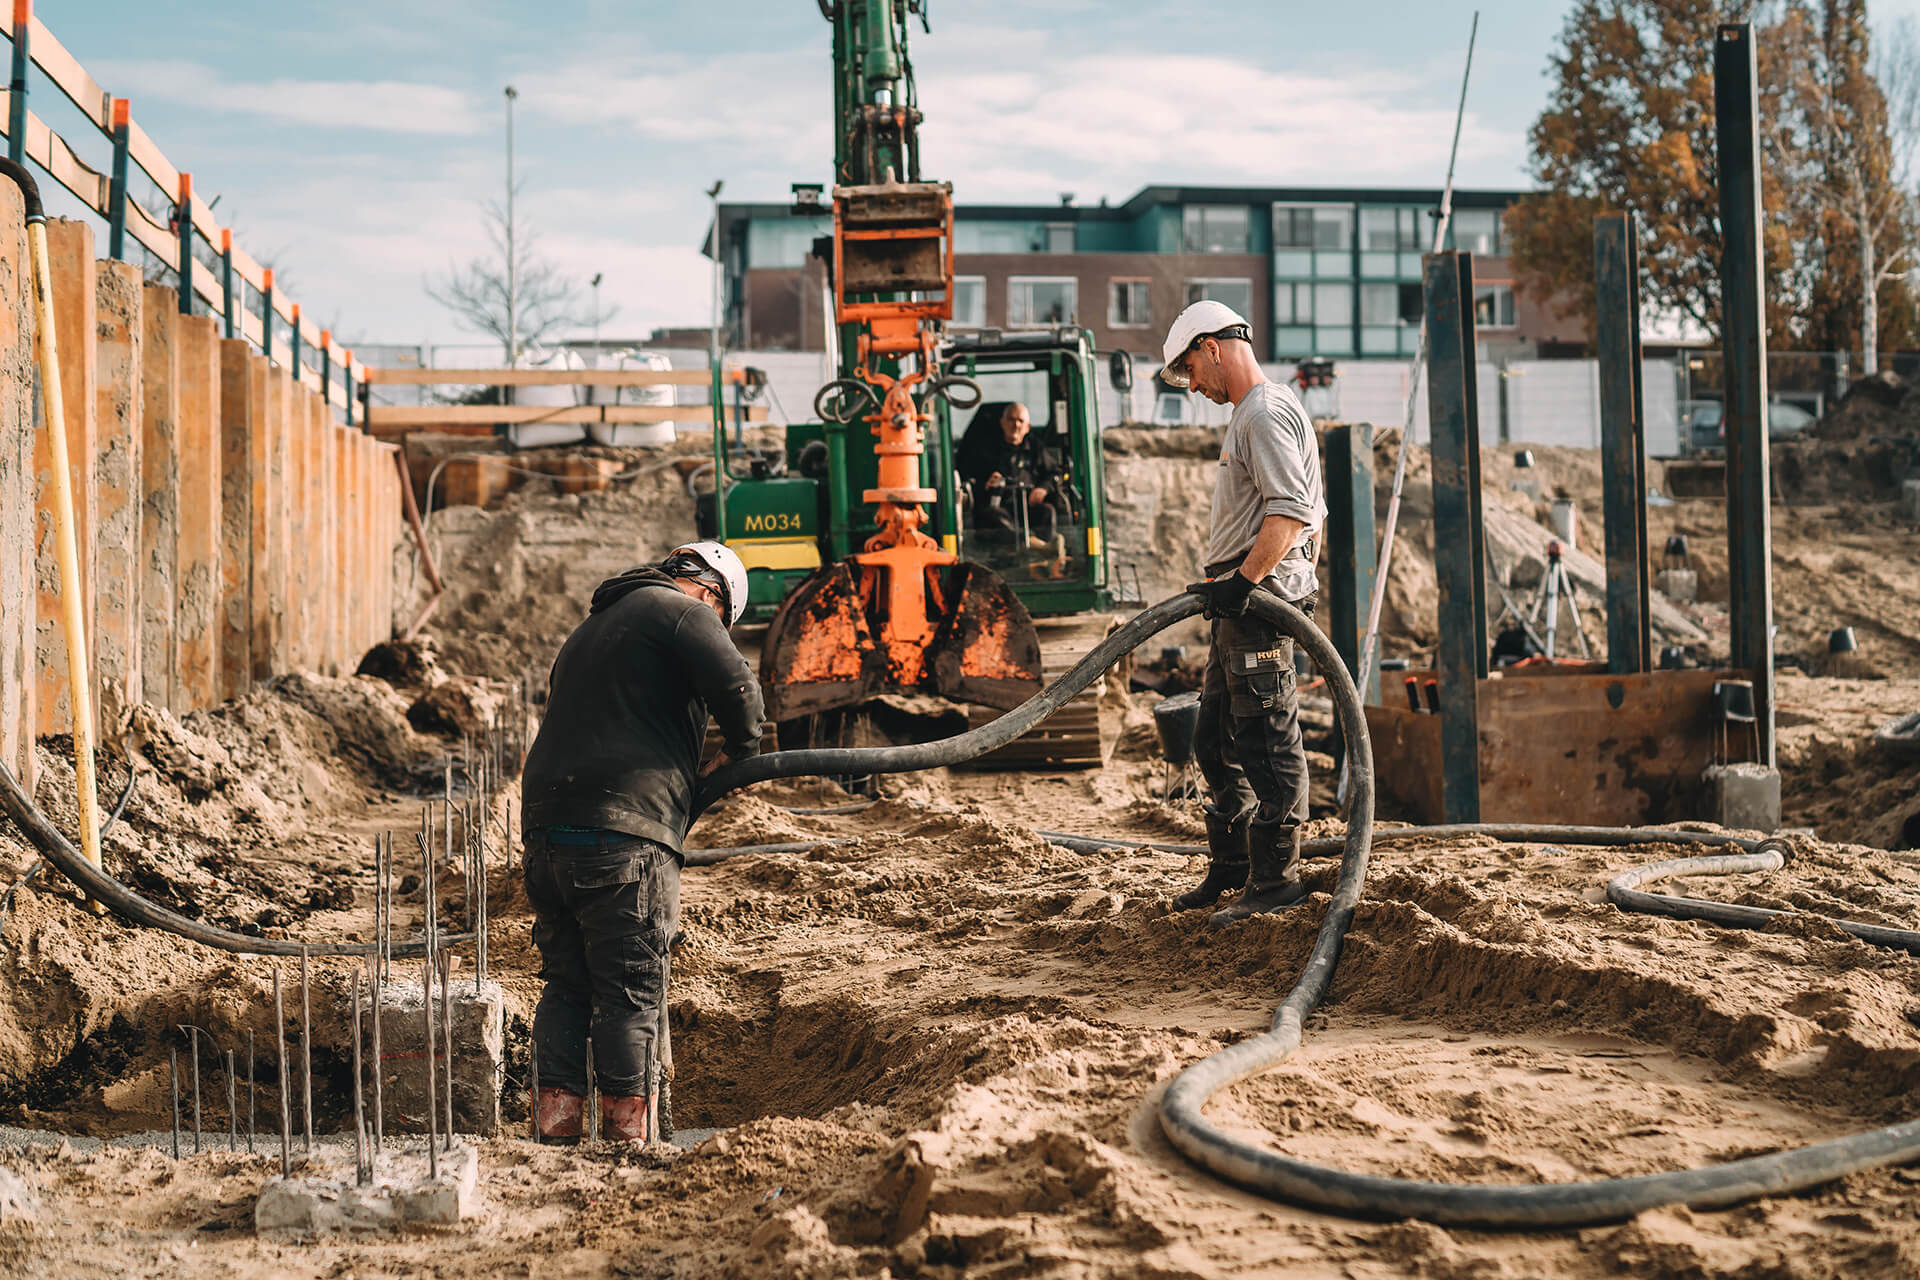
1269 507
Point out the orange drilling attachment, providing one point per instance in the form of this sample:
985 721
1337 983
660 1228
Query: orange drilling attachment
902 615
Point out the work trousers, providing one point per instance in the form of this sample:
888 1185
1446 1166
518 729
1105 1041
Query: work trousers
1248 742
606 906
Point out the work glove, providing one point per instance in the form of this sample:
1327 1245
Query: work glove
1226 595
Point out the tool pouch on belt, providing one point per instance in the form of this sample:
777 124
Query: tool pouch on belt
1259 681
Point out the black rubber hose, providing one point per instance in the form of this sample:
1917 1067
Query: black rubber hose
1506 833
29 189
134 909
834 761
1269 1173
1624 892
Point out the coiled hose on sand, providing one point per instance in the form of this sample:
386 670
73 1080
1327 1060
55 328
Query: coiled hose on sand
1183 1105
1281 1177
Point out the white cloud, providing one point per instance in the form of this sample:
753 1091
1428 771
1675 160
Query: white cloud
390 106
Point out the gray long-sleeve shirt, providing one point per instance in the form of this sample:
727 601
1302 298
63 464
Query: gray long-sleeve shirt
1269 466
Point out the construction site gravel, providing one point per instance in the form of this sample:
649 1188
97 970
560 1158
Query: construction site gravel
933 1044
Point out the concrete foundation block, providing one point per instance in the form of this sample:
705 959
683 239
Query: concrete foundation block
323 1197
1745 797
1682 586
1910 500
479 1056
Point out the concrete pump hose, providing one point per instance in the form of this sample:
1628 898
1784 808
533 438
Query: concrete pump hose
53 409
1624 892
1281 1177
134 909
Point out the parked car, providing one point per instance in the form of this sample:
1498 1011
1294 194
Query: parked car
1706 431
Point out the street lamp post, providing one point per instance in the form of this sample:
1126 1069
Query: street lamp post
713 338
513 261
595 284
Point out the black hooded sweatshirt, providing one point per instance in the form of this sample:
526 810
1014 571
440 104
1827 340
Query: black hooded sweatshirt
619 746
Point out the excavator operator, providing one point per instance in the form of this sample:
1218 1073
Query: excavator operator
1009 469
608 790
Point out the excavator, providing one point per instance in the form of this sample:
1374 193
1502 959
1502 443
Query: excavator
868 567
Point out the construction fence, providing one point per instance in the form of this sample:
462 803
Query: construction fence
229 527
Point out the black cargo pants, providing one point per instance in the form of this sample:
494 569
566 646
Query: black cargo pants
1248 743
605 908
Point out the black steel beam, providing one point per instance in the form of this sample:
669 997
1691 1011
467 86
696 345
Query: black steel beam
1623 440
1743 337
1350 561
1456 529
1470 375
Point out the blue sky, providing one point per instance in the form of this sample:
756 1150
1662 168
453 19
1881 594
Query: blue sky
352 143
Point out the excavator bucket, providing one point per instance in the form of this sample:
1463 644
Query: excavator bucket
819 652
828 645
986 649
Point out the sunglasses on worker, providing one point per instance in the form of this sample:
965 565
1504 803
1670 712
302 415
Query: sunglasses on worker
1179 374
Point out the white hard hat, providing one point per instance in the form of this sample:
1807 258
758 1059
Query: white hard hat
721 559
1204 319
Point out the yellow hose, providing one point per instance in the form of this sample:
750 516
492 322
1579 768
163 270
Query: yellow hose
80 693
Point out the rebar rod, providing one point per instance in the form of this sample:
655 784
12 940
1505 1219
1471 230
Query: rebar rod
306 1046
280 1056
233 1108
446 1034
360 1174
250 1091
193 1043
426 1002
173 1075
379 1064
592 1121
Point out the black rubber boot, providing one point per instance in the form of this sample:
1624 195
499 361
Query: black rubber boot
1273 882
1226 862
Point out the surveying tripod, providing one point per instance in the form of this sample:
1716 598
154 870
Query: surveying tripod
1554 585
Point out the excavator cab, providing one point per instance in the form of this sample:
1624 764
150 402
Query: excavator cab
860 555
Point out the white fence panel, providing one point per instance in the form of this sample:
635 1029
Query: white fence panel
1553 402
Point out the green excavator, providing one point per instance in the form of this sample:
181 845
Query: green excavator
879 585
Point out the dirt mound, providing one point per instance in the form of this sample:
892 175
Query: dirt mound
1882 405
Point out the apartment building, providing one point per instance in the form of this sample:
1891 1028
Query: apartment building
1318 271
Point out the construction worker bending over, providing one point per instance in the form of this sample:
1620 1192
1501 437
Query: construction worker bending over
1269 506
608 791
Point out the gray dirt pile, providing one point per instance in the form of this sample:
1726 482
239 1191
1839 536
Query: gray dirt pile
255 816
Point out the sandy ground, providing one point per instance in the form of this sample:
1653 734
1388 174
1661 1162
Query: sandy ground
934 1044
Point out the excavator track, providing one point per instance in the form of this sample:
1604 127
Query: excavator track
1082 734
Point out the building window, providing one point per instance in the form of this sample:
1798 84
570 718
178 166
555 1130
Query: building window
969 302
1477 231
1215 228
1059 237
992 237
1237 294
1390 304
1312 226
1493 306
1033 301
1292 303
1332 304
1127 305
1390 229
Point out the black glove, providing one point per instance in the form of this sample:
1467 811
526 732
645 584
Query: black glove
1226 595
